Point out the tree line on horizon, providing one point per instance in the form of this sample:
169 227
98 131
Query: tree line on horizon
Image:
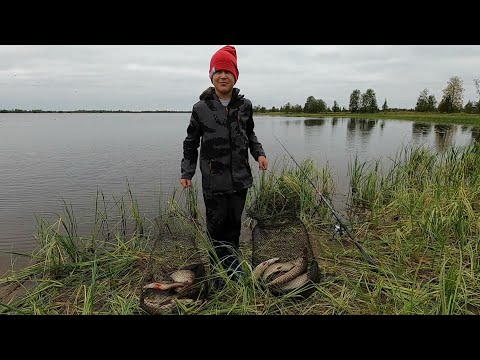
452 101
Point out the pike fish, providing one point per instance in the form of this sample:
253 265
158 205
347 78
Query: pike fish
296 283
311 275
300 267
260 268
274 268
156 307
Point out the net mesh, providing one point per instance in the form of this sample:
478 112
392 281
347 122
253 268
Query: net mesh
175 248
286 238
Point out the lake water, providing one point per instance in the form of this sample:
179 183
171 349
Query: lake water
46 159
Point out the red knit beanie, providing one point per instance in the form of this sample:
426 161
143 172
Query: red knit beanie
224 59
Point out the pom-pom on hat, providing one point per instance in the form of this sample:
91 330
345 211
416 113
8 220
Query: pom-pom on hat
224 59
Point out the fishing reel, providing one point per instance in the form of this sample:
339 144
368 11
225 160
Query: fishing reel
338 230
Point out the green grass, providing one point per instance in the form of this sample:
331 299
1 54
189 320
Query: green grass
417 215
457 118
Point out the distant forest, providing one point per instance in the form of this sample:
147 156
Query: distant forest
452 102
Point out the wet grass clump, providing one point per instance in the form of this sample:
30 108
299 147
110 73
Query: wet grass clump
416 214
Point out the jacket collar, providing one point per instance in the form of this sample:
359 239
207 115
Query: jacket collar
209 94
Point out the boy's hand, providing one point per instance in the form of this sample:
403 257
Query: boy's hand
186 183
262 163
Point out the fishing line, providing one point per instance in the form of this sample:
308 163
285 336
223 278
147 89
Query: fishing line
340 226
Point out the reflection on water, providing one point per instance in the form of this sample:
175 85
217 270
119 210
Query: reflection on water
444 135
293 122
360 129
421 130
363 126
45 158
476 133
316 122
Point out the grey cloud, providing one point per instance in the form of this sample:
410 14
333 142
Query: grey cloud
143 77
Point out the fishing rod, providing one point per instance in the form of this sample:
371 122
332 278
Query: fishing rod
341 225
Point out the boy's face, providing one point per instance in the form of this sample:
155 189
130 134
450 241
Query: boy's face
223 81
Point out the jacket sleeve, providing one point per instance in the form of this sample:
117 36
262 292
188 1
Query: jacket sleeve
190 147
255 146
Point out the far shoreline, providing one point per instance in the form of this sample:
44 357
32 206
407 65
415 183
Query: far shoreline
451 118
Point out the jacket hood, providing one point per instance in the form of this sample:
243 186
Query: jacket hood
209 94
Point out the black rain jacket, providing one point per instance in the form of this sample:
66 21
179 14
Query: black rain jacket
226 135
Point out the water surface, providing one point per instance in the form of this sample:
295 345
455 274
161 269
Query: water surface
46 159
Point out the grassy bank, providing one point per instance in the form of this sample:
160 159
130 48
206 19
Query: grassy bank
416 214
458 118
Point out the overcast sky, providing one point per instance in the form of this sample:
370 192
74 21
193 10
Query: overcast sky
171 77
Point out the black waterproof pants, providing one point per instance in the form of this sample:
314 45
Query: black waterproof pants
224 220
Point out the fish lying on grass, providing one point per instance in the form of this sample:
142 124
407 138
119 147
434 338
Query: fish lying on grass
164 285
285 276
260 268
300 266
154 307
181 279
300 282
277 267
161 297
296 283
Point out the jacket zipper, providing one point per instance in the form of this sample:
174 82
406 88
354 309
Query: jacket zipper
227 110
